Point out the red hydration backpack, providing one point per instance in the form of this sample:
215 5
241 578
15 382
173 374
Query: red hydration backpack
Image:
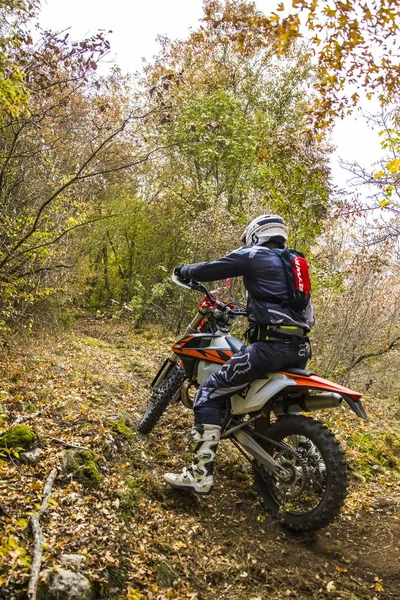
296 268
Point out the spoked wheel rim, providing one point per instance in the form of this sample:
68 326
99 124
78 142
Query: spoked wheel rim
306 486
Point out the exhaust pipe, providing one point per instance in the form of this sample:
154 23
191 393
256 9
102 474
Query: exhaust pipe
308 404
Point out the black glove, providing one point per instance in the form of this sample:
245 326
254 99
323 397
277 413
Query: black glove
177 272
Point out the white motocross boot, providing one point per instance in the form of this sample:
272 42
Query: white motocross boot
198 477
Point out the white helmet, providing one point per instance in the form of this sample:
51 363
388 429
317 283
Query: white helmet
263 228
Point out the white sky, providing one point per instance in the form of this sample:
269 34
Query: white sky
135 25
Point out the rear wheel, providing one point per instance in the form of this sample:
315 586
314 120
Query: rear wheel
315 491
161 395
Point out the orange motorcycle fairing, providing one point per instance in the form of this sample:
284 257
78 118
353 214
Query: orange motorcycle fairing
197 348
208 347
216 356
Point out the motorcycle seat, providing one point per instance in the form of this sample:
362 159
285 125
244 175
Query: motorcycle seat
235 344
295 371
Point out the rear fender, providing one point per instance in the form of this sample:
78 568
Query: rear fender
262 391
356 407
315 382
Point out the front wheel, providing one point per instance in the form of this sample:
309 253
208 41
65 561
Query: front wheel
314 493
161 395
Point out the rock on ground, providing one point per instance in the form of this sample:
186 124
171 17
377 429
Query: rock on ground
61 584
32 457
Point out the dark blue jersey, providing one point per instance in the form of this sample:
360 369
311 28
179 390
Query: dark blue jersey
265 280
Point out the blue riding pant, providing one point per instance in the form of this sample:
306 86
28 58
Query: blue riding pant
250 363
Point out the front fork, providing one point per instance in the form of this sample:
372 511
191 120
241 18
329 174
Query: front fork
173 358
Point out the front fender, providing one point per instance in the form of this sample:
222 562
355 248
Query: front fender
164 369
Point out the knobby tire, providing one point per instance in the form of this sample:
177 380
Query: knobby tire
336 473
161 395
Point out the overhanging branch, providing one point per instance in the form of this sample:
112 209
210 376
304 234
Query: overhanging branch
380 352
81 175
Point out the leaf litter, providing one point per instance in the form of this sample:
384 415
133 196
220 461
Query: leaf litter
141 540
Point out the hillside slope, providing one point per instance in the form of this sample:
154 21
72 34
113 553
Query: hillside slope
140 540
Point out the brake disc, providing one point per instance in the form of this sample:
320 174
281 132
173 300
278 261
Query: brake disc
296 484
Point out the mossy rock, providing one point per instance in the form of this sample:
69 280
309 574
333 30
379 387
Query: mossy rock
119 426
81 463
18 436
378 451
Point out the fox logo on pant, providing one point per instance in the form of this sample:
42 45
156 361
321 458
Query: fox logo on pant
242 365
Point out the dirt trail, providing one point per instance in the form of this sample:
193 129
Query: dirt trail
142 540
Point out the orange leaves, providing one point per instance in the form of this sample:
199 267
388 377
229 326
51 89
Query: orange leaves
350 42
286 32
284 37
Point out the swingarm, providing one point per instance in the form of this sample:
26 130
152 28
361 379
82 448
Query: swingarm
257 451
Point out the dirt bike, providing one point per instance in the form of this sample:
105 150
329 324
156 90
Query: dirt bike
299 468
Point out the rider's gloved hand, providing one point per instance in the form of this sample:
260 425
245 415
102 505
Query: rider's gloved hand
177 271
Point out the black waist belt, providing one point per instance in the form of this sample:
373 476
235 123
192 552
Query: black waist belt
274 333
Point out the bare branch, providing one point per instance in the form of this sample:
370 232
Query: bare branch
78 176
24 418
38 536
43 269
380 352
67 444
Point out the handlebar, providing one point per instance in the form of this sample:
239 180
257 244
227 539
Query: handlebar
236 312
200 287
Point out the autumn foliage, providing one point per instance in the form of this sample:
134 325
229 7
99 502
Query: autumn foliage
352 44
107 182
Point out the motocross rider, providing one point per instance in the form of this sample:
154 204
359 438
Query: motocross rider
276 333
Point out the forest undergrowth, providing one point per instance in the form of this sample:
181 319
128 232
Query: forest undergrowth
87 387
